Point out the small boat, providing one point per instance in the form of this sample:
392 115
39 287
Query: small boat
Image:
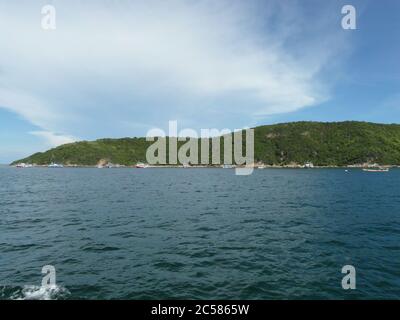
55 165
228 166
262 166
308 165
186 165
376 169
24 165
141 165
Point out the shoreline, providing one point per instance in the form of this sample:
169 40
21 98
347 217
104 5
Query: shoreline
257 167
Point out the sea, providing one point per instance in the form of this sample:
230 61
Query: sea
199 233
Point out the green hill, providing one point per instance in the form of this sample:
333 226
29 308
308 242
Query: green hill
324 144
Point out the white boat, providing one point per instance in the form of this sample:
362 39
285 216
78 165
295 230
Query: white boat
55 165
186 165
24 165
262 166
228 166
141 165
376 169
308 165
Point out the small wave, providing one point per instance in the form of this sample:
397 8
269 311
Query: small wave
38 293
99 248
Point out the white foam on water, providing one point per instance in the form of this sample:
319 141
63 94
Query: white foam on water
41 293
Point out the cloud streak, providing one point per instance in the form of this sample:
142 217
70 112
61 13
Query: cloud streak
52 139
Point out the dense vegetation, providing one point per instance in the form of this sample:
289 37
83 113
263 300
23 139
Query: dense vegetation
337 143
324 144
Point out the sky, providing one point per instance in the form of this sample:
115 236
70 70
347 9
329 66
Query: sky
120 68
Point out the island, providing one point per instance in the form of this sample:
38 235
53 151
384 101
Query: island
294 144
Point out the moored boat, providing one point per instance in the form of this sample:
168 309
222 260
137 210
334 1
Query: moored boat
141 165
55 165
308 165
376 169
24 165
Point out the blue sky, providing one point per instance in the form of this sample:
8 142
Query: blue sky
120 68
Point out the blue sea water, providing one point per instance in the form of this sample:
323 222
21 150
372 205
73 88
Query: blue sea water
199 233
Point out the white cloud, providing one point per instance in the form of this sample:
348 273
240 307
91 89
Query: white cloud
53 140
148 62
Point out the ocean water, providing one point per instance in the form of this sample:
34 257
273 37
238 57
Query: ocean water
199 233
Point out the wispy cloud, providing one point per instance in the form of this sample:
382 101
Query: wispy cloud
52 139
207 63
